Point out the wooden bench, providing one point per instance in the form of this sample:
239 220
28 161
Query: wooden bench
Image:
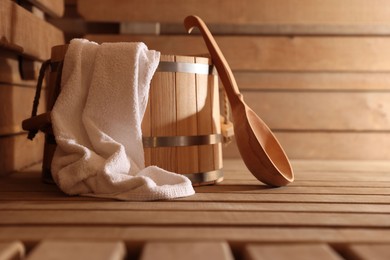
334 210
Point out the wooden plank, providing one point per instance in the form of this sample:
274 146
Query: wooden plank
163 116
195 218
12 250
186 250
15 106
216 118
63 250
285 29
11 72
302 198
233 235
251 53
186 117
293 190
313 166
204 115
324 81
290 251
366 166
332 145
54 8
199 206
279 12
368 251
146 127
216 197
17 152
310 183
306 110
139 28
24 32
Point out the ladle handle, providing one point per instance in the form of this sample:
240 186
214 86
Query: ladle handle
223 68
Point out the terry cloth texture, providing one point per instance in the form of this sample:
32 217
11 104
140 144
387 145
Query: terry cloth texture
97 125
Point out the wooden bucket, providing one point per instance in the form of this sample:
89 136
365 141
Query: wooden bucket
181 127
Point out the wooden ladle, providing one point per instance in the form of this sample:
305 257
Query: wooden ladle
259 149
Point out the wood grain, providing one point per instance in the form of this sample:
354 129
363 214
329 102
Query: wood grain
251 53
163 116
186 117
279 29
15 106
313 81
286 251
332 145
247 12
146 127
18 152
204 115
16 32
197 218
368 251
54 8
16 70
322 111
232 234
187 250
78 250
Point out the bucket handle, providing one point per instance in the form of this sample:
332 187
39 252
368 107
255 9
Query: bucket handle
42 71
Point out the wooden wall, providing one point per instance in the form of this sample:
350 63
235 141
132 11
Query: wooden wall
316 71
25 41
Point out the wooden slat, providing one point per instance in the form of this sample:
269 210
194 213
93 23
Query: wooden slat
139 28
17 152
186 119
356 29
196 218
294 190
216 118
279 12
367 167
78 250
53 8
251 53
146 127
24 32
324 81
368 251
163 116
364 166
290 251
199 206
204 116
186 250
218 197
319 198
14 70
330 145
15 106
210 233
12 250
305 110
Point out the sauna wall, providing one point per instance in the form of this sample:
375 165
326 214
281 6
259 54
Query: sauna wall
25 41
316 71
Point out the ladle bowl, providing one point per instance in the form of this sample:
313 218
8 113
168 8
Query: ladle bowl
259 148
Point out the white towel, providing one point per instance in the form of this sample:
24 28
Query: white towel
97 125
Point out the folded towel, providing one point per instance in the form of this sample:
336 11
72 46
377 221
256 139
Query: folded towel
97 125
